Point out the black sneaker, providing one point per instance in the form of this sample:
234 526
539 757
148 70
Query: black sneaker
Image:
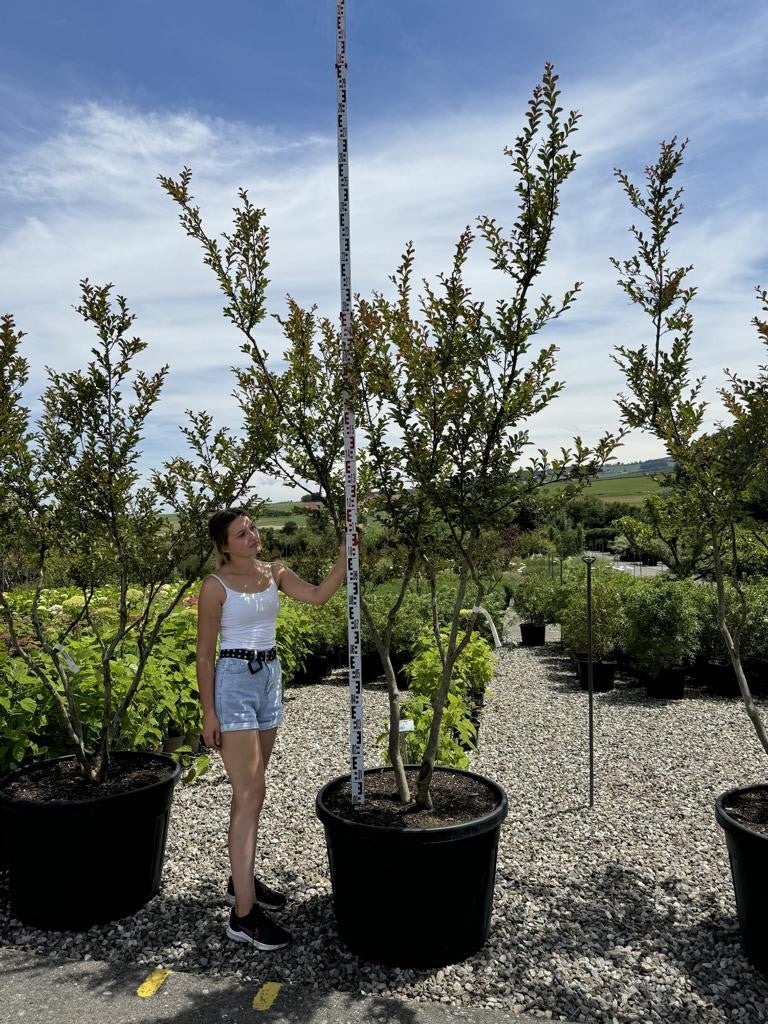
258 930
269 899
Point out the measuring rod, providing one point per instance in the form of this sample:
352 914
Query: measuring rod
350 461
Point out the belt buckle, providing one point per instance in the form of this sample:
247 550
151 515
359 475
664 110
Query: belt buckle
259 662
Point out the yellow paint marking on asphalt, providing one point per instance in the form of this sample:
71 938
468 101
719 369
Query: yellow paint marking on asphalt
150 985
266 995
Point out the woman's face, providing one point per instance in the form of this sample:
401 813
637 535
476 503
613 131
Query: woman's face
242 538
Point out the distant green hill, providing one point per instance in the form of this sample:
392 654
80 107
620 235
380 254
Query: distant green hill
630 489
662 465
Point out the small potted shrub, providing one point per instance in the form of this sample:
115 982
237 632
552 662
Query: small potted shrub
662 633
538 600
609 623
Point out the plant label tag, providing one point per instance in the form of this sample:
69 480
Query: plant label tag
66 657
406 725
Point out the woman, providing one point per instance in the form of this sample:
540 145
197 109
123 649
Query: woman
242 698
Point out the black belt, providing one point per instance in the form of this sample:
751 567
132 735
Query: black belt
250 656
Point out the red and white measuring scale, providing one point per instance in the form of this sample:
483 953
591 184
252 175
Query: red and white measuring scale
350 461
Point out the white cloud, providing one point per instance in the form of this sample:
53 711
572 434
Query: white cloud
85 202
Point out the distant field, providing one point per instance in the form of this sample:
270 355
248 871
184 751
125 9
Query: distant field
628 489
278 522
268 517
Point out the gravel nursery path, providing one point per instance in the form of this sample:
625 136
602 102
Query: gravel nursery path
623 913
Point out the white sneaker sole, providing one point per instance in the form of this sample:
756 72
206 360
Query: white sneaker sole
242 937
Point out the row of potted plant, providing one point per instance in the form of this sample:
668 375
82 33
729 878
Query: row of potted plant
658 628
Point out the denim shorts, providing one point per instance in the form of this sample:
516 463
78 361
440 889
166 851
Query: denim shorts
245 699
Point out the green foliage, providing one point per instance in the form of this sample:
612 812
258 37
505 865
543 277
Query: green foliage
295 633
469 683
71 494
166 704
718 474
539 598
328 624
663 624
610 593
756 628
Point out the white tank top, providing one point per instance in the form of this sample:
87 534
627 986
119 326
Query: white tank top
248 620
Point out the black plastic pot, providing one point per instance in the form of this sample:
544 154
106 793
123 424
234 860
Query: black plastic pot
76 863
603 674
719 678
532 634
668 684
442 913
399 660
748 854
371 667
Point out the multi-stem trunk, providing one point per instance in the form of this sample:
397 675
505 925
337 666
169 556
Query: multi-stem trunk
733 646
383 645
448 655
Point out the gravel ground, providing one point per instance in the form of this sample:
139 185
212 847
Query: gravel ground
618 914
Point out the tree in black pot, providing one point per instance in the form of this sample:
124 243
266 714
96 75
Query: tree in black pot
71 492
717 476
442 396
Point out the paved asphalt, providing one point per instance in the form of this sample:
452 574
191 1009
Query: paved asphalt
51 990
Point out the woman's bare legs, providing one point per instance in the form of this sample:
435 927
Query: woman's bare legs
241 753
267 741
246 755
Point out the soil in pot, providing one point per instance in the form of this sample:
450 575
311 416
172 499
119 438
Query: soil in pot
456 797
743 815
105 843
443 913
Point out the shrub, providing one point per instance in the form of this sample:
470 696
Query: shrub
471 676
539 598
663 624
609 615
295 637
755 642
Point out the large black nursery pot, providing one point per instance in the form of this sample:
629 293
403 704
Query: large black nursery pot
440 911
532 634
748 854
76 863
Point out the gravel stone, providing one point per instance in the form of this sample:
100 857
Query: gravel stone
617 914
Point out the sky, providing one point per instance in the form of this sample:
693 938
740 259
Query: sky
98 99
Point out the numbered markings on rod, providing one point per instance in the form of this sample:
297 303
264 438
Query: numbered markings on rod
266 995
151 984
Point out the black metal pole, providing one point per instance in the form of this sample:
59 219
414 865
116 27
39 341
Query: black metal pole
589 560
